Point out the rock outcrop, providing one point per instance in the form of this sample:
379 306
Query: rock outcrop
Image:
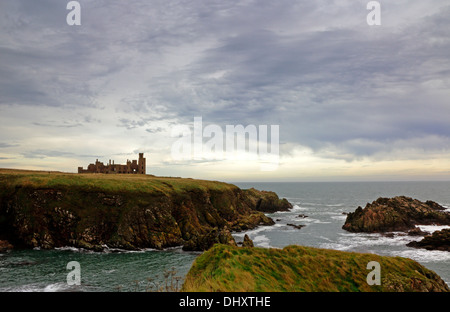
247 242
204 242
395 214
439 240
96 211
296 226
266 201
5 246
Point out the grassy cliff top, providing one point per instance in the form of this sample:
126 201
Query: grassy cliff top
105 182
304 269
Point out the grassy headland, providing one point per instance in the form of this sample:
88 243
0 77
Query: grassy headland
303 269
53 209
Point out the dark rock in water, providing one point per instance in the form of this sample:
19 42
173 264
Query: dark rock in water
247 242
417 232
5 246
297 226
439 240
302 216
23 263
395 214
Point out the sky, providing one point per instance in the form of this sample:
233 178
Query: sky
353 101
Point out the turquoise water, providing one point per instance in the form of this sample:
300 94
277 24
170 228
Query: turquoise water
46 270
322 203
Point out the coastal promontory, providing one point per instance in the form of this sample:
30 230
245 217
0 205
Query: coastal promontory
97 211
295 268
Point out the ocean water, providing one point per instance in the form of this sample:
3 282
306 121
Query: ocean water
323 204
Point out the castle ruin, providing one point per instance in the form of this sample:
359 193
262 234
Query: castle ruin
132 167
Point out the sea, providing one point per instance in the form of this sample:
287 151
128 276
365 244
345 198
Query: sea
320 207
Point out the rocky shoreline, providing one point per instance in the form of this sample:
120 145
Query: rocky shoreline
402 214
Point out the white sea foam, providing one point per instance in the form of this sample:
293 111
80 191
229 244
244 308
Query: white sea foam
432 228
321 222
423 255
261 241
69 248
340 217
353 241
295 208
252 232
56 287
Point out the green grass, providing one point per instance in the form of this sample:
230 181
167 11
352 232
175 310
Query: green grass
103 182
302 269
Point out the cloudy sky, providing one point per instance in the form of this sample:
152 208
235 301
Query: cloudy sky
352 101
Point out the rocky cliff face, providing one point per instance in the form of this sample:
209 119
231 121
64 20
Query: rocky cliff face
95 217
395 214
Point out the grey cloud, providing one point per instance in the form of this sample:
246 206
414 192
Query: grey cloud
7 145
154 130
41 153
57 125
44 153
353 90
327 88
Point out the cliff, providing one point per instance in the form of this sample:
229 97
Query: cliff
395 214
304 269
52 209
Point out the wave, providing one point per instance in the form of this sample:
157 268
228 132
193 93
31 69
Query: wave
340 217
261 241
349 241
433 228
424 256
53 287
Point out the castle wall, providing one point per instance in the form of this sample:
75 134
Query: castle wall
132 167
